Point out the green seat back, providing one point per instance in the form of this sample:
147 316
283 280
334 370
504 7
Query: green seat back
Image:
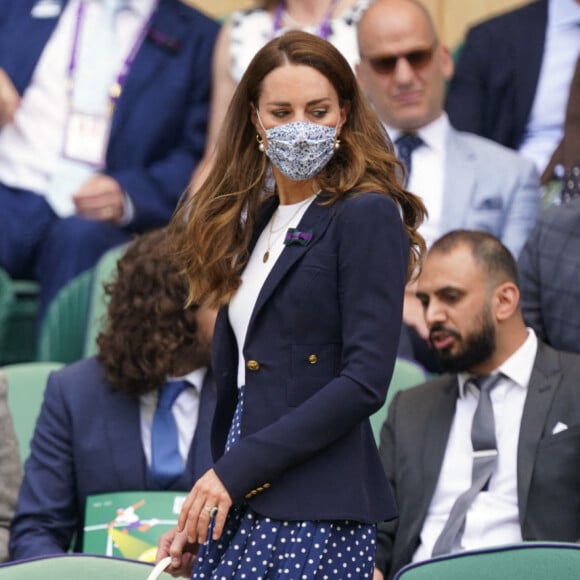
19 302
26 384
6 301
526 561
406 374
104 272
77 567
62 333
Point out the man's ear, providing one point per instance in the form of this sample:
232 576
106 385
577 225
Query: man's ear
447 64
506 300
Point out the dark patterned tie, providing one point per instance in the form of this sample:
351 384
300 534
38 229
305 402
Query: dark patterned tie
484 462
406 144
166 462
571 183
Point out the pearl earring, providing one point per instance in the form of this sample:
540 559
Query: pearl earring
337 145
260 141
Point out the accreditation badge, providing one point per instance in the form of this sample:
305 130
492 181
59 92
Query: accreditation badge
86 138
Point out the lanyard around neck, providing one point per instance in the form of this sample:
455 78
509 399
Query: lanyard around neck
117 86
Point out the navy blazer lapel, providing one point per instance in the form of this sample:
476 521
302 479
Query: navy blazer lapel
529 36
123 435
267 209
546 375
316 220
459 168
162 39
24 56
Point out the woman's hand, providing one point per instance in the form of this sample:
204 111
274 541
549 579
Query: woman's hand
200 506
9 99
175 544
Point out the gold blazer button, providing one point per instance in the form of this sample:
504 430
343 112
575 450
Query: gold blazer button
253 365
312 359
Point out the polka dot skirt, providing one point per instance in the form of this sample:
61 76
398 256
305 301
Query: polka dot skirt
254 547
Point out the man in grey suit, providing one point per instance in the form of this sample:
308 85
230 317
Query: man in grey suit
430 443
549 270
465 181
10 470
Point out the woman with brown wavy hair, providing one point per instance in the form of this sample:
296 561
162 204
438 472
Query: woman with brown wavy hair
309 263
246 31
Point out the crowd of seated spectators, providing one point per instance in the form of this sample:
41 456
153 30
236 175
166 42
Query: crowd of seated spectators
490 142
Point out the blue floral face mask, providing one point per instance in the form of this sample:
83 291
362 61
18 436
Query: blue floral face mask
300 149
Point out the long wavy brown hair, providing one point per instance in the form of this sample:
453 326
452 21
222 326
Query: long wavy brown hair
148 330
220 217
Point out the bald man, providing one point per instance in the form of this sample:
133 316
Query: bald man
465 181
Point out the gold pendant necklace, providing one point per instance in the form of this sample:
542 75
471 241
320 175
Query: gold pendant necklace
271 231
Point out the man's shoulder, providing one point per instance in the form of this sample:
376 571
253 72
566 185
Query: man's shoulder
518 16
551 362
186 16
562 219
487 150
82 376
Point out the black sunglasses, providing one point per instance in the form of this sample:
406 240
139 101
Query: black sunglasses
417 59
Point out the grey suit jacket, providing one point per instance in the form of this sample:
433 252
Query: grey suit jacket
10 470
489 187
414 437
549 270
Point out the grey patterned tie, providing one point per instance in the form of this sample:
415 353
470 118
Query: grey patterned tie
484 462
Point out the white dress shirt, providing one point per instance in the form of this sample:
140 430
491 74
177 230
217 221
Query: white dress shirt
31 146
427 176
561 50
185 410
493 517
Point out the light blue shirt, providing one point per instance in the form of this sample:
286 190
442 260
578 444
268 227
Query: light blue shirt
562 47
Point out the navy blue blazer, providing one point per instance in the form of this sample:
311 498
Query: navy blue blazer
88 441
159 124
493 88
319 353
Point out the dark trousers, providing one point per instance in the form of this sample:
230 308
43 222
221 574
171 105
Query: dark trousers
36 244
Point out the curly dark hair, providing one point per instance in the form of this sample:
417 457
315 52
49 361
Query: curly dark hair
148 332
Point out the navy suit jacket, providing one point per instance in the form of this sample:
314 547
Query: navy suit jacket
495 80
549 271
159 124
414 438
319 353
88 441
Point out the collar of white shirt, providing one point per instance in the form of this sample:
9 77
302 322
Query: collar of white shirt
517 368
195 378
434 134
563 14
141 8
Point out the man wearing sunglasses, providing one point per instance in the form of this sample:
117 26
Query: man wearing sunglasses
465 181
